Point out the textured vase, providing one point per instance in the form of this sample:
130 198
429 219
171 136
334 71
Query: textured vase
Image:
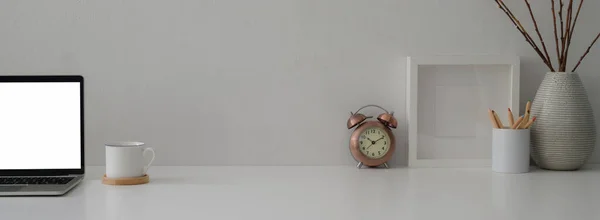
564 134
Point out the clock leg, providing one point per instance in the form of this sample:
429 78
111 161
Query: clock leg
360 164
386 165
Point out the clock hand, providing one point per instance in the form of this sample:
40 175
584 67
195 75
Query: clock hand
369 139
372 143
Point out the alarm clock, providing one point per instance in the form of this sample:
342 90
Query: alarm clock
372 142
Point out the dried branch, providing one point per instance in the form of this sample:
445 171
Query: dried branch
521 29
515 21
586 53
562 33
567 28
575 21
540 35
571 30
563 67
555 33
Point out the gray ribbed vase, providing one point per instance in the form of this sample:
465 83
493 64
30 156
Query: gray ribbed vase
564 134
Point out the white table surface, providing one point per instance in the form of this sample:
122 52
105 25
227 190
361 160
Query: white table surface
322 193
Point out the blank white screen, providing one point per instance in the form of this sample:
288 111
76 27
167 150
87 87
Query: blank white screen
40 125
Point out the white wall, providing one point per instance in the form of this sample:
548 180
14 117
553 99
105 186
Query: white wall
213 82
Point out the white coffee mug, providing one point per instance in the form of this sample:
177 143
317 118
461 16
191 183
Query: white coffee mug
127 159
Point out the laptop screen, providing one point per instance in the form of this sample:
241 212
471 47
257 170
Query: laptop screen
40 125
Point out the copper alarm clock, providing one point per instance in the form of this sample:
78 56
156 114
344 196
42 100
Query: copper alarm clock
372 142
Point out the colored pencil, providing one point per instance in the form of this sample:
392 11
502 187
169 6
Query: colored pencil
500 125
528 125
511 119
516 125
493 119
527 115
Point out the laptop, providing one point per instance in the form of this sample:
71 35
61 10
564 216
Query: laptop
41 135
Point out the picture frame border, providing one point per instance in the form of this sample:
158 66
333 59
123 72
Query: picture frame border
412 72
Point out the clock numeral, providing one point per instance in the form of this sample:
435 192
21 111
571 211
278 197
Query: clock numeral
378 132
379 152
372 154
363 148
367 152
360 142
382 148
363 137
385 142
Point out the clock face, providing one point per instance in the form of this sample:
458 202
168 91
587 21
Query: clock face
374 142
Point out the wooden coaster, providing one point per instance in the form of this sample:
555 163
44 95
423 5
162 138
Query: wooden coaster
126 181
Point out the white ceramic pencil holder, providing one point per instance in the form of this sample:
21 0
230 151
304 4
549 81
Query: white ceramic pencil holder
510 150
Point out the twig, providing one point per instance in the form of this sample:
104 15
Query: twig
515 21
586 53
555 33
510 16
562 31
563 67
572 29
521 29
540 35
575 21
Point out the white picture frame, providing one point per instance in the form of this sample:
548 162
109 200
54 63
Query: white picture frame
413 65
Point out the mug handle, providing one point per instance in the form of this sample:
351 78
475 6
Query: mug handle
148 149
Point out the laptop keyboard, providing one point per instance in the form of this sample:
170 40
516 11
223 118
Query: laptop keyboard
35 180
